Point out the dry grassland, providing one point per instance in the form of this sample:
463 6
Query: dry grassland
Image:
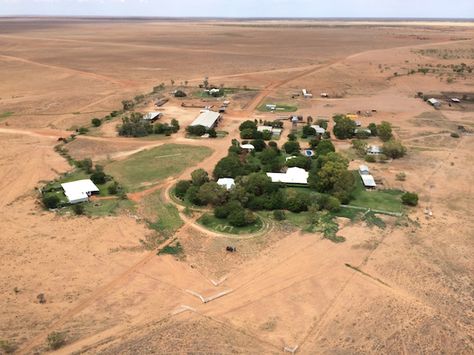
409 286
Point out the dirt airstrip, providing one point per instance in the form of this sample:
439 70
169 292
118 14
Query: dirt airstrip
403 289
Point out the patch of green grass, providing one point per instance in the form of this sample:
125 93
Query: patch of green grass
162 217
107 207
384 200
5 114
175 250
348 213
222 226
373 220
149 167
279 108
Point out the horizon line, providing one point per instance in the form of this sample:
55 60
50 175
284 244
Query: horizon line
254 18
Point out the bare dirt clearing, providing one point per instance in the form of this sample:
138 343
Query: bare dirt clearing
407 288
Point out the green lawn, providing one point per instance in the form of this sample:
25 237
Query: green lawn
162 217
385 200
221 226
151 166
280 108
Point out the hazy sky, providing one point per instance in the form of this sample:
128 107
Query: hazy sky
243 8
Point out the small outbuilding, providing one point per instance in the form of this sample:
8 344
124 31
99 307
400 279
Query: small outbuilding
368 181
271 107
433 102
79 191
318 129
228 183
374 150
364 170
247 146
152 116
306 94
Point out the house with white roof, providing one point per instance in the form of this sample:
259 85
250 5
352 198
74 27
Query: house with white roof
292 176
318 129
228 183
79 191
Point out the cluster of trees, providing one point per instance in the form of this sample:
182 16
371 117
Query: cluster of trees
136 126
248 130
200 130
329 174
345 128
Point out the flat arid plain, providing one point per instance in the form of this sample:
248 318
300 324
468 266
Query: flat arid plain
401 286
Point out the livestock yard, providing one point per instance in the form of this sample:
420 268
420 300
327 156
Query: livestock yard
145 255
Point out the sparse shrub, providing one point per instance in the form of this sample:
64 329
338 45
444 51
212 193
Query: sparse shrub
401 176
279 215
78 209
113 188
179 93
96 122
370 159
51 201
212 133
55 340
83 130
7 347
410 198
455 135
332 204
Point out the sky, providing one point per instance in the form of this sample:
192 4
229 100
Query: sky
243 8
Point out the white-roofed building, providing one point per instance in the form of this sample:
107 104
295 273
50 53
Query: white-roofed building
247 146
364 170
318 129
79 191
228 183
368 180
374 150
207 119
434 102
271 107
292 176
275 131
152 116
306 94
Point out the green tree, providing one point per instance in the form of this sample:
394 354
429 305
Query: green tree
230 166
51 201
384 131
322 123
394 149
291 147
297 201
344 127
359 146
248 133
410 199
248 125
96 122
175 125
258 184
308 131
199 177
299 161
99 177
181 188
324 147
212 193
279 215
212 133
198 130
179 93
373 129
241 218
259 144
